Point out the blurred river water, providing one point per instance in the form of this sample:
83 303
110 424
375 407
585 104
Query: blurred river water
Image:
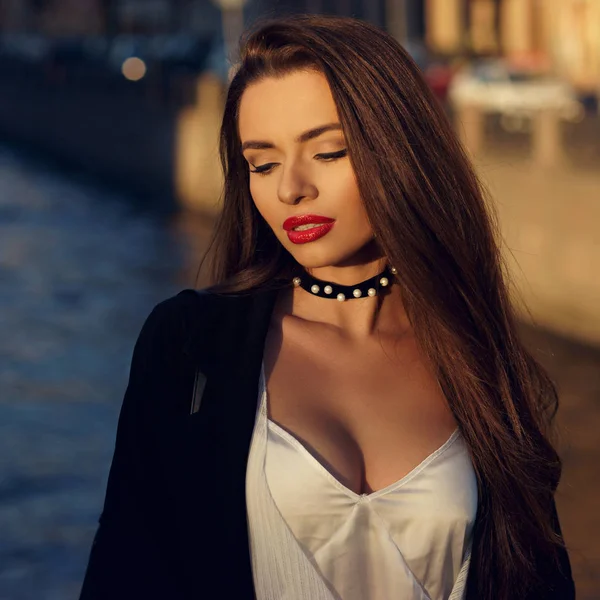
80 269
79 272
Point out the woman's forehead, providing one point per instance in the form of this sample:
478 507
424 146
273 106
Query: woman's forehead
292 103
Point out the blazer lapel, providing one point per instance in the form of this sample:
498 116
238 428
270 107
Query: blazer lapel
216 440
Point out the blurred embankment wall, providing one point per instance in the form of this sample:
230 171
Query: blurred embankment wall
550 220
91 123
122 131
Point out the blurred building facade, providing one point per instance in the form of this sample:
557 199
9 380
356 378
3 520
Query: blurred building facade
64 17
560 37
89 17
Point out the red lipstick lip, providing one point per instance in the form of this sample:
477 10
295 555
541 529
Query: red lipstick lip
292 222
310 235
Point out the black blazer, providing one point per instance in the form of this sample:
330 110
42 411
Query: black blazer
174 522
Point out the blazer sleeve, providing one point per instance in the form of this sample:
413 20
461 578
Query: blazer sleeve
128 557
563 586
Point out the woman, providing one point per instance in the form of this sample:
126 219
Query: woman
348 412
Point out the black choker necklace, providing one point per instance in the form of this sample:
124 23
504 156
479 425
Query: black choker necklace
326 289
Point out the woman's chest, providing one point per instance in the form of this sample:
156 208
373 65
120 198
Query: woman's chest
369 416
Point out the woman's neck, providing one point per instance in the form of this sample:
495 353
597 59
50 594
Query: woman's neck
356 319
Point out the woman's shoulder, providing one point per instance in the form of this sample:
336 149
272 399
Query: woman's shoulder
203 312
190 309
187 304
197 307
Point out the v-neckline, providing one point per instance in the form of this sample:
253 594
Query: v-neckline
346 490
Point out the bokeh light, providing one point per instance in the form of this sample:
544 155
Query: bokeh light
133 68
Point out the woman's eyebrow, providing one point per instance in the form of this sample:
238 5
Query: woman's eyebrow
303 137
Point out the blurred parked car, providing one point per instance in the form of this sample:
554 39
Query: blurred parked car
493 85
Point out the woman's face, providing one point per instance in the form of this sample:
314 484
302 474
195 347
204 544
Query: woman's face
298 160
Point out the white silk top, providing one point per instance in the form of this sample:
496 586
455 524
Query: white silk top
312 537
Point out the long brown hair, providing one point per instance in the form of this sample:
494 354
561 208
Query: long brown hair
435 223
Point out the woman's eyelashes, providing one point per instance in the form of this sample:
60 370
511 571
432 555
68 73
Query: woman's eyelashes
324 156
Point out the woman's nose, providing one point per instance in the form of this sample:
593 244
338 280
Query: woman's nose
295 185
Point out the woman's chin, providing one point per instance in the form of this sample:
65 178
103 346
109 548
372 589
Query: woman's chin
316 259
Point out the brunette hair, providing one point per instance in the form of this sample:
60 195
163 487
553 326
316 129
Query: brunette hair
435 223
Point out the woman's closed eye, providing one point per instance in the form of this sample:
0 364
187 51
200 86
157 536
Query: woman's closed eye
324 156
